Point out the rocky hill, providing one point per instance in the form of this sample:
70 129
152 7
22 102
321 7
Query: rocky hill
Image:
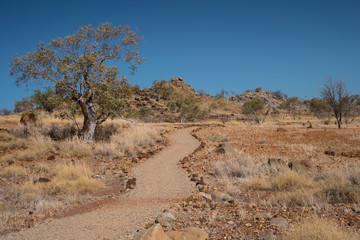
272 99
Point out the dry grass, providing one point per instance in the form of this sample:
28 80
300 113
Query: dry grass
72 179
41 168
294 189
290 181
12 171
30 154
319 229
73 148
130 141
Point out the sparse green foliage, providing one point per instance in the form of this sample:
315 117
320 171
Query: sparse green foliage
255 107
353 109
5 112
320 108
77 67
47 100
24 105
291 105
188 107
162 89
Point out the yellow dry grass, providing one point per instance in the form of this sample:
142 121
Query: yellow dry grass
319 229
12 171
129 141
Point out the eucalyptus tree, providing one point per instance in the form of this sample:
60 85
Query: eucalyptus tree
80 68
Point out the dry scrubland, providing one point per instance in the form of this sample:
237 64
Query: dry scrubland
308 176
285 168
47 170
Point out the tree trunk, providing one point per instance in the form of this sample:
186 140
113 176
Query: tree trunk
89 126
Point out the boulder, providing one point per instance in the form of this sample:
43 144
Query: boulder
155 233
205 196
276 164
165 219
130 184
279 222
296 167
191 233
221 197
224 148
217 138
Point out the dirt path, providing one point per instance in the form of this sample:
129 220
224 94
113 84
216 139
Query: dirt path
160 182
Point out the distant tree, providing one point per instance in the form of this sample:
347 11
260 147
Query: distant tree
222 94
23 105
79 69
337 96
162 89
320 107
5 112
187 106
255 107
279 95
48 100
353 109
203 93
291 106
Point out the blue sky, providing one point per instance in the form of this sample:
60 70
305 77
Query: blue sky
293 45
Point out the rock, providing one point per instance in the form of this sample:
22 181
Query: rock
139 233
43 180
130 184
262 215
276 164
266 236
176 207
279 222
191 233
205 196
165 219
217 138
224 148
221 197
155 233
329 152
296 167
51 158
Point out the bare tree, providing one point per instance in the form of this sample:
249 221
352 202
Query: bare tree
336 94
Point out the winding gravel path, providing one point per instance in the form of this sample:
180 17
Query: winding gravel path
160 183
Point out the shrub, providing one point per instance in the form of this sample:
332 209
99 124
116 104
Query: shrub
104 132
61 132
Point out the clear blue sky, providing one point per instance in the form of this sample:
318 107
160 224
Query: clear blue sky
237 45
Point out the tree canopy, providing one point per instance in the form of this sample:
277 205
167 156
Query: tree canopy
79 69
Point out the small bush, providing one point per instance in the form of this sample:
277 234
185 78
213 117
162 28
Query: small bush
319 229
61 132
104 132
337 190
